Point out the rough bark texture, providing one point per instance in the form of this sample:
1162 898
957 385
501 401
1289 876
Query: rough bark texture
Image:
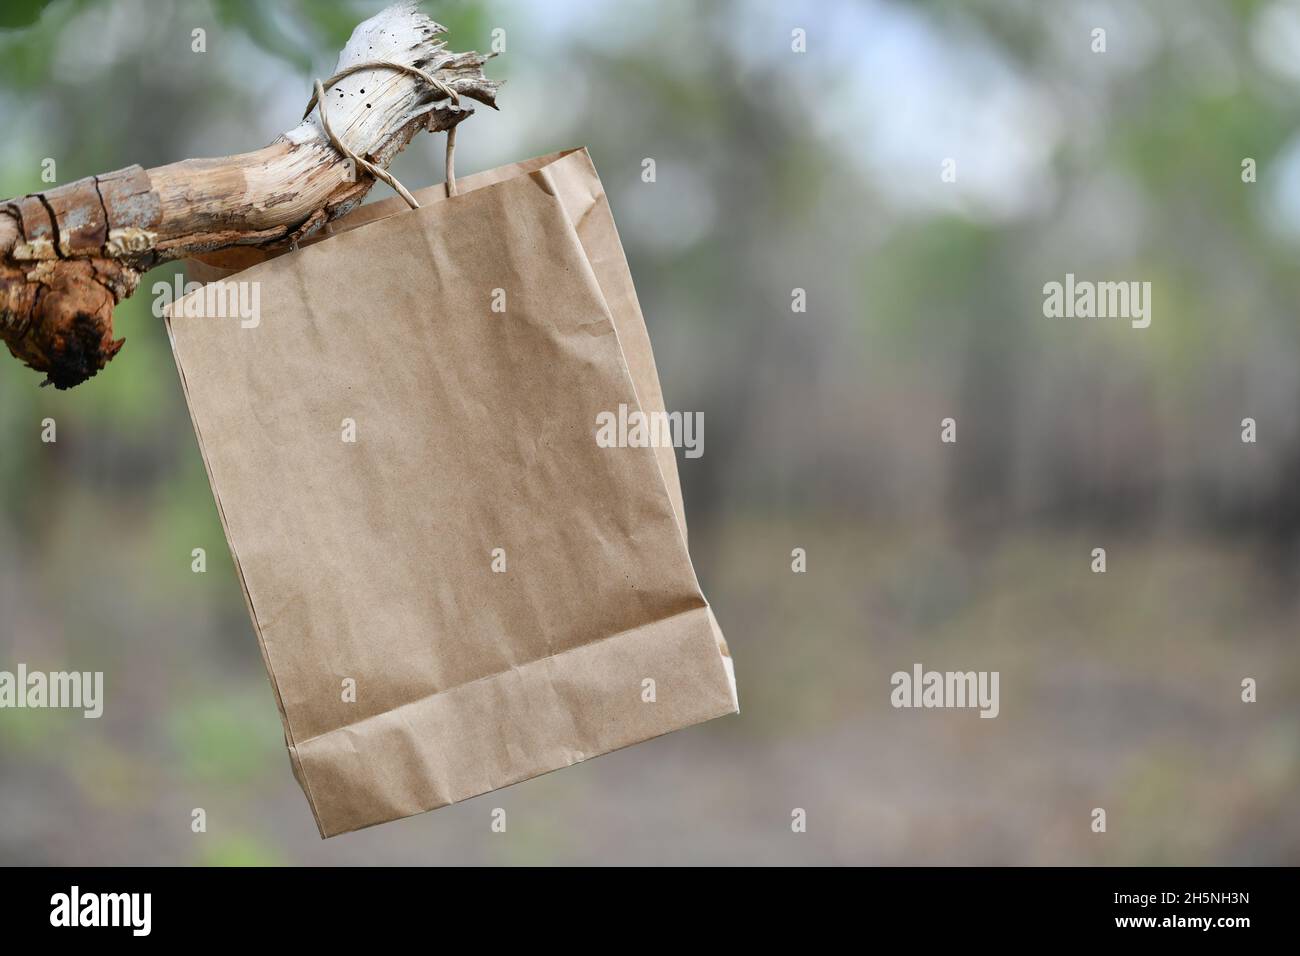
69 255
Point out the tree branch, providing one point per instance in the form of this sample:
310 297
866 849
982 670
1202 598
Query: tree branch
69 255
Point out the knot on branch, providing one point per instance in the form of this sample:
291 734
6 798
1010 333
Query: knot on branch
58 317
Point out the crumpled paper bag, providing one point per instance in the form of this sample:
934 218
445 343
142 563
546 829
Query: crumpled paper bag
470 591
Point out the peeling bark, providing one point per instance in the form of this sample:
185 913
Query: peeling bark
70 254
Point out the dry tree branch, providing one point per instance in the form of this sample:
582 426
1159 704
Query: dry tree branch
69 255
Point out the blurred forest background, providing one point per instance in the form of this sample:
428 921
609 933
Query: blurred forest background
776 170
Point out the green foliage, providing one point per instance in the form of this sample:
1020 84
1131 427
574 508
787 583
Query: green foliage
238 851
261 24
21 13
224 739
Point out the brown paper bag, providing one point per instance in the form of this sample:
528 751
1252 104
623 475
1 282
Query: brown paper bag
471 591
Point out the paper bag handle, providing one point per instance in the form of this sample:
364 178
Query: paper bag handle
318 102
